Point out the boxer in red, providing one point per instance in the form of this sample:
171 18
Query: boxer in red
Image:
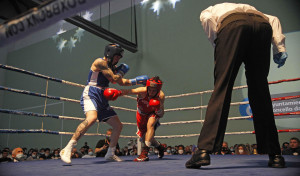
150 108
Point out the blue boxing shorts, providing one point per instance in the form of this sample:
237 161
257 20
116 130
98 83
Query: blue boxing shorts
92 99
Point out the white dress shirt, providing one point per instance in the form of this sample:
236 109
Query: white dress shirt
212 17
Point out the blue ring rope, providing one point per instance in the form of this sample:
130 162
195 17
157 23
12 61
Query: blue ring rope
30 73
37 94
39 75
28 131
28 113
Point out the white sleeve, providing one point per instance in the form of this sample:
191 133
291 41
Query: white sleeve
278 39
209 25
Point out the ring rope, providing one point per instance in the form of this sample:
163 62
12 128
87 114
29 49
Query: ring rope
7 111
53 97
231 104
39 75
132 110
37 94
234 88
123 136
128 123
11 68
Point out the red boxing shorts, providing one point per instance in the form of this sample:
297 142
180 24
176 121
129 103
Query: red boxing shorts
142 120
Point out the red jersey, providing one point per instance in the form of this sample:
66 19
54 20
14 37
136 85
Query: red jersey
143 106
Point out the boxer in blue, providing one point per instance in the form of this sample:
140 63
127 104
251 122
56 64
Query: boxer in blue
95 106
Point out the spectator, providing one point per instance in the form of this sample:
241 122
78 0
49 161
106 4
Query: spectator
224 150
131 144
90 154
125 151
232 150
241 150
103 144
118 152
180 150
42 152
29 152
151 151
249 148
18 155
86 148
24 151
168 151
254 149
5 157
133 151
46 154
33 156
175 150
285 146
83 151
294 147
187 150
75 154
55 154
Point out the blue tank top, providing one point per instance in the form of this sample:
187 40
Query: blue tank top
97 79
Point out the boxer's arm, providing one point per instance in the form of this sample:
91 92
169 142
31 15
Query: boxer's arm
124 82
101 66
161 111
137 91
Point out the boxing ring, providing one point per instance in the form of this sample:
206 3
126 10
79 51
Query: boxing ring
170 164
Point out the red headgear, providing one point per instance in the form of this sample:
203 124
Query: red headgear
154 82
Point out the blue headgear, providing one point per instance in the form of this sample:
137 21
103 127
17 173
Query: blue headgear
111 50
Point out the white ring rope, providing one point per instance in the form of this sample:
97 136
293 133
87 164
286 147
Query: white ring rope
234 88
122 136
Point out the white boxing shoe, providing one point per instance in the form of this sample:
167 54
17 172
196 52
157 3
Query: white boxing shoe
113 158
65 155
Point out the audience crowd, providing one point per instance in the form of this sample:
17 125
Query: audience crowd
21 154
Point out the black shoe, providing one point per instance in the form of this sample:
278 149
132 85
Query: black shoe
199 158
276 161
161 151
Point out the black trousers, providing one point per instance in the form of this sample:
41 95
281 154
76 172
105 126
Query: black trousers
244 38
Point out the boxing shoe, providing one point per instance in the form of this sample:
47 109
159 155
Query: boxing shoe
276 161
161 151
65 155
199 158
143 156
113 158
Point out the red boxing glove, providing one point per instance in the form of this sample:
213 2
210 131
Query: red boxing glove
111 94
155 103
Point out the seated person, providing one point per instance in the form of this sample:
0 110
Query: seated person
5 157
18 155
294 147
33 156
103 144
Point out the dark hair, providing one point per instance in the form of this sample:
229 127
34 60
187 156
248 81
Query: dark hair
294 138
156 79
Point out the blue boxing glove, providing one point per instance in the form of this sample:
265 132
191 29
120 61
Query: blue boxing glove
280 58
122 69
139 80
